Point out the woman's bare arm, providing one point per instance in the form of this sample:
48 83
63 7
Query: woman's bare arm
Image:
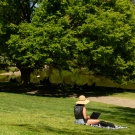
84 114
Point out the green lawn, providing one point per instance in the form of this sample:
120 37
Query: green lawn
128 95
22 114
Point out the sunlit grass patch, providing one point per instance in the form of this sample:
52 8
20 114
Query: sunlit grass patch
22 114
129 95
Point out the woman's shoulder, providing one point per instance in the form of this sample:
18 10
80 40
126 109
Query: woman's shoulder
78 106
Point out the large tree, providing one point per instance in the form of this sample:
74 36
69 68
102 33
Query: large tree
15 23
100 35
36 44
106 37
70 34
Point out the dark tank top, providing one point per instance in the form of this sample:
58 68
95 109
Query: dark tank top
78 112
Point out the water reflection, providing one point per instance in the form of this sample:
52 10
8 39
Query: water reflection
69 77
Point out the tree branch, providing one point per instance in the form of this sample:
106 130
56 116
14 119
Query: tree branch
35 1
22 9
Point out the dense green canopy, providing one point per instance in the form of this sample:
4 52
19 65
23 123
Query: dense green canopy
96 34
68 34
15 22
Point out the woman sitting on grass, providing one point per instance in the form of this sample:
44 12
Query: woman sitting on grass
80 113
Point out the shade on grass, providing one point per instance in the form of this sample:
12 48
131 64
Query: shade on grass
22 114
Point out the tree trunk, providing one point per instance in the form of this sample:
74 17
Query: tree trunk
25 75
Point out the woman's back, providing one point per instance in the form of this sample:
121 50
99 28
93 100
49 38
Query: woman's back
78 111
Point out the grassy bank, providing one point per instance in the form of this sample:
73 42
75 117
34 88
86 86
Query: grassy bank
22 114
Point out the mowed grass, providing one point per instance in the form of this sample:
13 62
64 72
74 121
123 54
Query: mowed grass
22 114
129 95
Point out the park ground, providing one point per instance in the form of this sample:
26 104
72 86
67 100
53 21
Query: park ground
38 110
119 101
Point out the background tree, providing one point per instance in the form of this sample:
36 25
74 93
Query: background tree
36 44
98 34
70 34
16 15
106 38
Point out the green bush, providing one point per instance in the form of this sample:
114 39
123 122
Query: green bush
2 71
13 69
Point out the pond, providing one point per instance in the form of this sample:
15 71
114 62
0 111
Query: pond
69 77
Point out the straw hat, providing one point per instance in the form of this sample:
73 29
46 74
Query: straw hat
82 100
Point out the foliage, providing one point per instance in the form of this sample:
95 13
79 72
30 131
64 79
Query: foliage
66 34
96 34
2 71
26 52
106 39
12 69
13 14
16 14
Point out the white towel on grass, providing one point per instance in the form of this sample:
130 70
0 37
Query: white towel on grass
116 127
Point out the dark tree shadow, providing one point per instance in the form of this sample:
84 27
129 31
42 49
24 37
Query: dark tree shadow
56 90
